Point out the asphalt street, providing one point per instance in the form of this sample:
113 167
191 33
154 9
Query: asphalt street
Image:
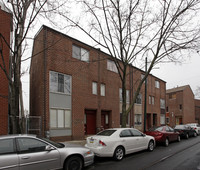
184 155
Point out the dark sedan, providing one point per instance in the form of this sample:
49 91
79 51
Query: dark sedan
164 134
185 131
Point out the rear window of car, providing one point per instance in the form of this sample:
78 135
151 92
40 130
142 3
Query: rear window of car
106 133
180 127
156 129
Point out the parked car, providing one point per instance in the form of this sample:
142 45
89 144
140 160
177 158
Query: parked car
185 131
195 126
164 134
22 152
118 142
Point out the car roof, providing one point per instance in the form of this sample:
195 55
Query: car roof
16 135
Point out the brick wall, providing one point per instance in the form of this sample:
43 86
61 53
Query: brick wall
5 29
58 54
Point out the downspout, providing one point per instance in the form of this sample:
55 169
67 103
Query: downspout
44 74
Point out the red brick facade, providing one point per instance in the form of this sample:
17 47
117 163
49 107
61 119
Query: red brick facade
5 30
180 105
52 51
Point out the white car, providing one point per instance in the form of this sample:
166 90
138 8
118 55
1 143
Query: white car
195 126
118 142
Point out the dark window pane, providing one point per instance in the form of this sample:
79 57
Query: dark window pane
106 133
28 145
60 83
6 146
76 52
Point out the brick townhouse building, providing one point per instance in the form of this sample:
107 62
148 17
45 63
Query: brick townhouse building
197 111
5 31
180 106
76 89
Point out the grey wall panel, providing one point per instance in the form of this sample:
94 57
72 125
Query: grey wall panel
60 132
60 101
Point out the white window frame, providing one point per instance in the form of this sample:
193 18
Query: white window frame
61 119
138 119
127 95
94 88
103 89
54 83
157 84
162 103
112 66
153 100
149 99
83 53
162 119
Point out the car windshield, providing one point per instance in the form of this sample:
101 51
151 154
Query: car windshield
58 145
106 133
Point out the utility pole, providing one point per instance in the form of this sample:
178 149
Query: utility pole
145 97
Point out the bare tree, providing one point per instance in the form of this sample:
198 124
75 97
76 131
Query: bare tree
24 14
130 30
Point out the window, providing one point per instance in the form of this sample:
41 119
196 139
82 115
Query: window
6 146
136 132
80 53
112 66
126 133
172 96
138 119
29 145
60 118
162 103
127 95
60 83
180 106
103 89
139 99
149 99
153 100
157 84
162 119
167 120
94 88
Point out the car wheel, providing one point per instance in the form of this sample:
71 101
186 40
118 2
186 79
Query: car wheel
195 134
166 142
178 138
186 136
119 153
151 146
74 162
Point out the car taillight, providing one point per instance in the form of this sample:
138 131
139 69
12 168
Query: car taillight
102 143
159 134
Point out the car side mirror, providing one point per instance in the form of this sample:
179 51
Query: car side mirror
143 135
49 148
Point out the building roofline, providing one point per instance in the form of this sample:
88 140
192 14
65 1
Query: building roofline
97 49
177 89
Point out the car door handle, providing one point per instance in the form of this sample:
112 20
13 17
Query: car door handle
25 157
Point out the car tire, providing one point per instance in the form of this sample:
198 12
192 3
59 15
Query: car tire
187 136
195 134
151 146
178 138
74 162
119 153
166 142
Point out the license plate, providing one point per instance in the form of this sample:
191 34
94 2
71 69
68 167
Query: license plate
91 140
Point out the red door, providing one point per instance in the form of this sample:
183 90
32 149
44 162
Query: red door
104 120
90 126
